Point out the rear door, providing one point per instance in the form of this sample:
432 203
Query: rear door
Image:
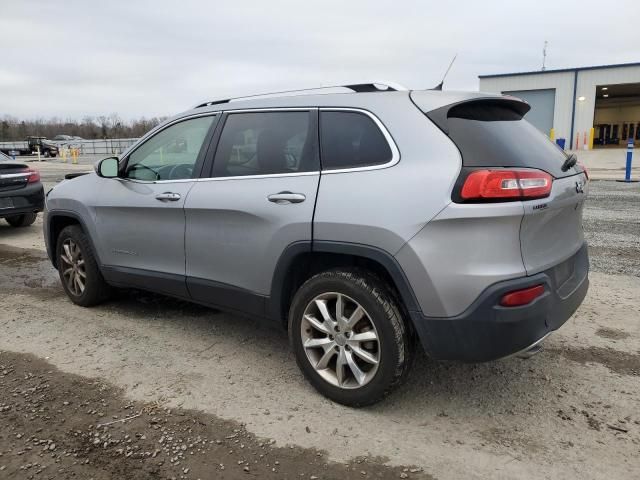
257 199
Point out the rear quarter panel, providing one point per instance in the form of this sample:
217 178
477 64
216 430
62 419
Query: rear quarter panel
385 207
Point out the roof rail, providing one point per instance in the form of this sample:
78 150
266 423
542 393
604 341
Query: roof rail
355 87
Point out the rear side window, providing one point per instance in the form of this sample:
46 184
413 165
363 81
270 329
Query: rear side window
493 133
266 143
350 140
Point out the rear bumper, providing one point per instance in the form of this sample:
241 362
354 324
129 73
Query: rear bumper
24 200
487 331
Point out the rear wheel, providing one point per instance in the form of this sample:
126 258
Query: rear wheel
23 220
81 278
348 336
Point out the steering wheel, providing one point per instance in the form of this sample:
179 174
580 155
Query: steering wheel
181 171
140 166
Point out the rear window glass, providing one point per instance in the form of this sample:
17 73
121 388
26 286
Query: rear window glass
494 134
351 139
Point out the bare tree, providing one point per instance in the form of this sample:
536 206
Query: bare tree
111 126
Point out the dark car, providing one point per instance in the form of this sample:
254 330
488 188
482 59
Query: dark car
21 193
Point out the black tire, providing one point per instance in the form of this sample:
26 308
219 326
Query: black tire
395 347
96 290
23 220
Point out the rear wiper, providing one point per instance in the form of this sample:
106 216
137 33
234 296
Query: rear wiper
569 162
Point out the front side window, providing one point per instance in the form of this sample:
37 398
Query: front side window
170 154
266 143
350 140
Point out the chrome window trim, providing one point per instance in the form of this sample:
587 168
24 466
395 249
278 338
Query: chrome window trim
395 152
266 175
153 133
253 177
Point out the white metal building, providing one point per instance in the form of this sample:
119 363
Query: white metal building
574 100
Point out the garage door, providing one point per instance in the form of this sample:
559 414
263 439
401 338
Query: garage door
542 105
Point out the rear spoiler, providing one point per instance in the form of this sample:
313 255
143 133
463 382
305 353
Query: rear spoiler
491 109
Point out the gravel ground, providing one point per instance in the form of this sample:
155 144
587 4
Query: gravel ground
60 425
570 412
612 227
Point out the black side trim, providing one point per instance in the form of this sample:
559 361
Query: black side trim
48 233
487 331
226 297
165 283
274 308
380 256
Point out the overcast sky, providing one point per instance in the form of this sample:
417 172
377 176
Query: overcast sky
71 58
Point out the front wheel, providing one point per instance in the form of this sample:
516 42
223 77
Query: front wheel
79 272
23 220
348 337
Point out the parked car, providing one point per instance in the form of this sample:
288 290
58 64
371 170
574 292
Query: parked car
362 222
21 193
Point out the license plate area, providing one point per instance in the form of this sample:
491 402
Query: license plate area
6 203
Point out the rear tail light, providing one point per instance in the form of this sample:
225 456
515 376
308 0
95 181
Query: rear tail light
503 184
34 175
517 298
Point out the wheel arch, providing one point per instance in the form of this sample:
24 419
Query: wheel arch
57 220
301 260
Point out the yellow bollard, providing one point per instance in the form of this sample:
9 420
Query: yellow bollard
591 135
38 150
552 135
63 154
74 154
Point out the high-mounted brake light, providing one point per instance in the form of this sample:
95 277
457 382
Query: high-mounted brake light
34 175
525 296
511 184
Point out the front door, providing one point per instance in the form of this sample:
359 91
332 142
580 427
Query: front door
258 200
140 216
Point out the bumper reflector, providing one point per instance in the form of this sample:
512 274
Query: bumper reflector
517 298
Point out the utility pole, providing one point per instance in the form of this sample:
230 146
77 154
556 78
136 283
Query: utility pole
544 56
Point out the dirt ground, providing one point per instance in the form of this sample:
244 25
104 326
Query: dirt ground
572 411
60 425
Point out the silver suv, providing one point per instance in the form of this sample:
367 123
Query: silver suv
365 220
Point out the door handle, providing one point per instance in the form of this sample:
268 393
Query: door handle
282 198
168 197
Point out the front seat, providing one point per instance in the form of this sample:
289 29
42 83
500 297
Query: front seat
270 151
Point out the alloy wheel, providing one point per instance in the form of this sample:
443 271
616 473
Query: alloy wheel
340 340
73 267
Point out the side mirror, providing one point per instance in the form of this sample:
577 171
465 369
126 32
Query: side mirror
107 167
